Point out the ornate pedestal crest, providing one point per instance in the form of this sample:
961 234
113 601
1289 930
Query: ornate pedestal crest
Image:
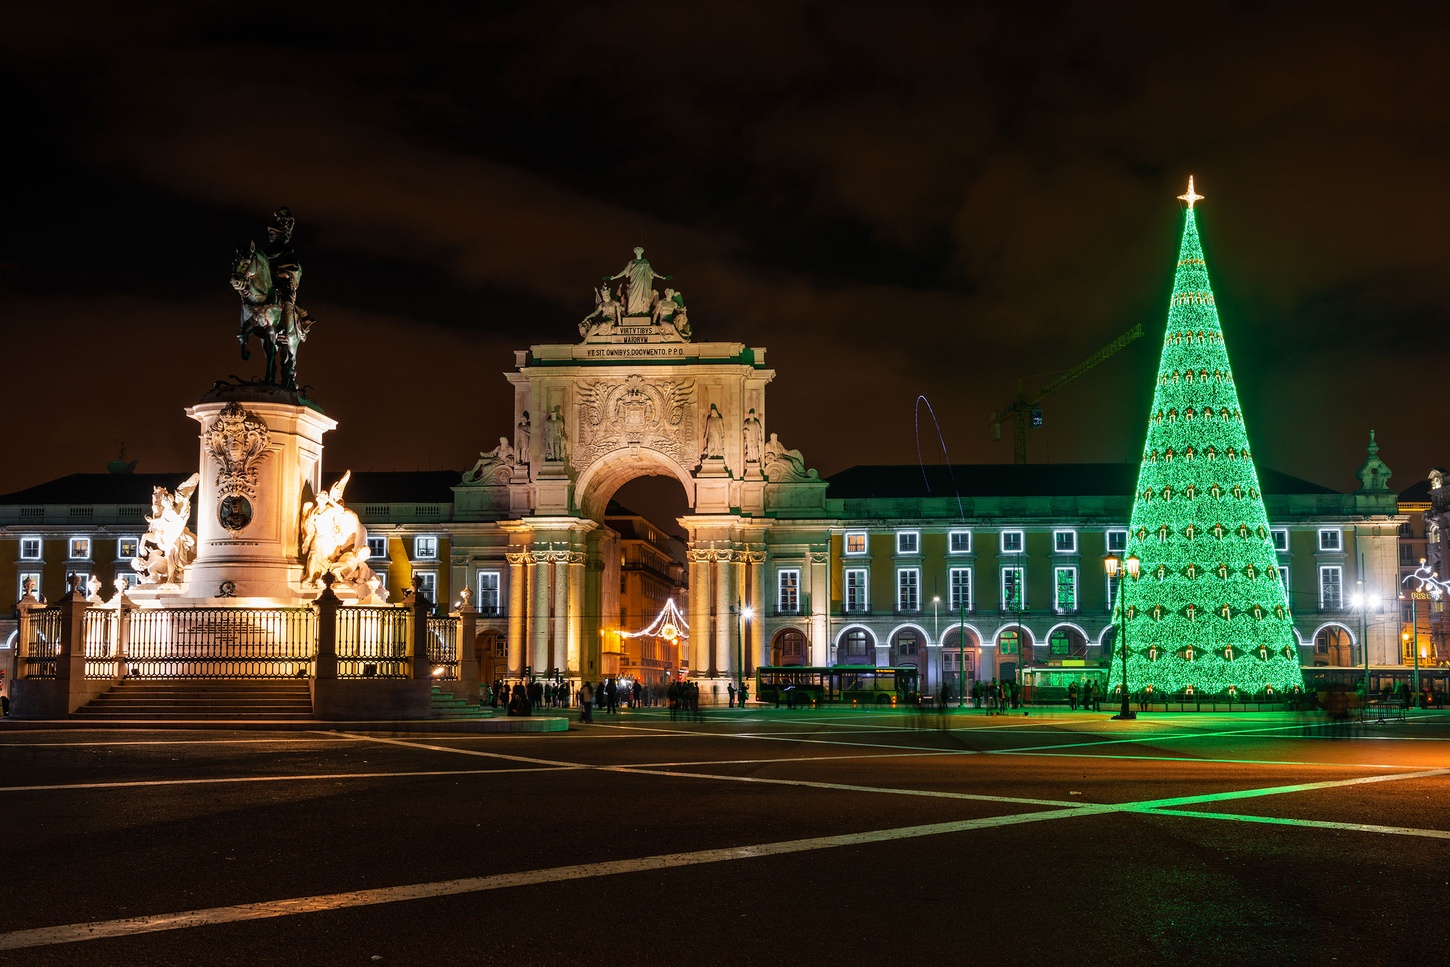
237 442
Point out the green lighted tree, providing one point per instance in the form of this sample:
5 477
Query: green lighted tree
1207 611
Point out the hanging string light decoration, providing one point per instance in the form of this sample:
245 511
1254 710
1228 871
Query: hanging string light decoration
1208 611
669 624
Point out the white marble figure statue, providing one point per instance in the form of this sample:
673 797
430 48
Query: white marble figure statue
333 539
713 445
523 439
782 465
638 290
168 547
494 466
1437 523
752 432
606 312
555 440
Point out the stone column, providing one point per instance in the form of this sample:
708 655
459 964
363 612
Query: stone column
573 667
699 612
759 643
724 601
517 577
539 616
324 664
560 635
820 648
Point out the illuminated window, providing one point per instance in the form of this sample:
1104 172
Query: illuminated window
488 597
34 578
1064 542
80 549
430 584
856 644
908 542
960 542
1007 643
1117 541
1281 538
1012 589
1066 584
1329 539
1012 542
908 589
1060 643
425 548
126 547
788 591
961 589
378 549
856 542
30 548
1331 588
856 599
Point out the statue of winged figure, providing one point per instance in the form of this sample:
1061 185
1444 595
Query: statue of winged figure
334 540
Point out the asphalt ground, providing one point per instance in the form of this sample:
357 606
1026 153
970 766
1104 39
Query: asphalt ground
756 837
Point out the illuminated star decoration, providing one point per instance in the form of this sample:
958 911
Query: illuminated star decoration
1190 196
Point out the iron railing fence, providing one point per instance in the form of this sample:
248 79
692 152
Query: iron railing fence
443 648
372 642
44 645
221 642
99 633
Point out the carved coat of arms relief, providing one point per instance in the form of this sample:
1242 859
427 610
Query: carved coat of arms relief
237 442
634 412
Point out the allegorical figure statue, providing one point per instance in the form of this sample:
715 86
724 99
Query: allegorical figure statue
494 466
1437 524
555 440
168 547
267 278
523 439
333 539
713 445
753 444
638 289
782 465
606 312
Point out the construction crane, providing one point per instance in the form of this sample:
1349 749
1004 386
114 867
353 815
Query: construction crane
1022 406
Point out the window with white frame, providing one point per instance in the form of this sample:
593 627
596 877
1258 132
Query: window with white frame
1013 594
959 542
83 580
1329 539
429 585
788 590
425 548
908 542
1113 591
378 549
1066 584
960 582
131 578
30 548
1331 588
1281 538
1284 578
127 547
80 549
1117 541
908 589
34 578
855 542
488 597
1064 542
856 599
1012 542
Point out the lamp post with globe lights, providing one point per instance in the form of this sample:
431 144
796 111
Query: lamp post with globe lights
1114 567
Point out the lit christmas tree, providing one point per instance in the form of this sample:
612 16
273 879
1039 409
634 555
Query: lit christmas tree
1207 612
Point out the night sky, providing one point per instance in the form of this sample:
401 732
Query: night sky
893 199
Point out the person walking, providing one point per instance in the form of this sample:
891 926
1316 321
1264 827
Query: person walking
731 689
586 703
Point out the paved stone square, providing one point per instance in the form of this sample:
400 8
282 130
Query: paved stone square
757 836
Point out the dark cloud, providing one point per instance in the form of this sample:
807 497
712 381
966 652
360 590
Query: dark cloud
932 199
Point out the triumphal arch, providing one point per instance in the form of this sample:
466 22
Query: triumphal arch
635 396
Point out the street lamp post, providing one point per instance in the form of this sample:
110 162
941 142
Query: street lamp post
936 630
745 613
1113 565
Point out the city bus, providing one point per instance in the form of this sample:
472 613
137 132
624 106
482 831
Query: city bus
838 684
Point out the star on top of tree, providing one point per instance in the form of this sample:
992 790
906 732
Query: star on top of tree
1191 196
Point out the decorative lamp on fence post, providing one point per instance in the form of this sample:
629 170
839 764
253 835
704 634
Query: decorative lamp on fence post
1114 566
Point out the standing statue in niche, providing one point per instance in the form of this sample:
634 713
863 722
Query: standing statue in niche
523 439
555 440
638 289
168 547
333 539
267 278
713 445
752 432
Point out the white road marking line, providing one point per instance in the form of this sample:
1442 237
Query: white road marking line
1309 823
1283 790
131 926
221 780
82 745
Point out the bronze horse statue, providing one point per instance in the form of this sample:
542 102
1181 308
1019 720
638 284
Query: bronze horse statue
280 326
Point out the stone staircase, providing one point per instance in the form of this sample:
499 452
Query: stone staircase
446 706
284 699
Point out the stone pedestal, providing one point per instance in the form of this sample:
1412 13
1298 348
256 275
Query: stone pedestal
261 457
